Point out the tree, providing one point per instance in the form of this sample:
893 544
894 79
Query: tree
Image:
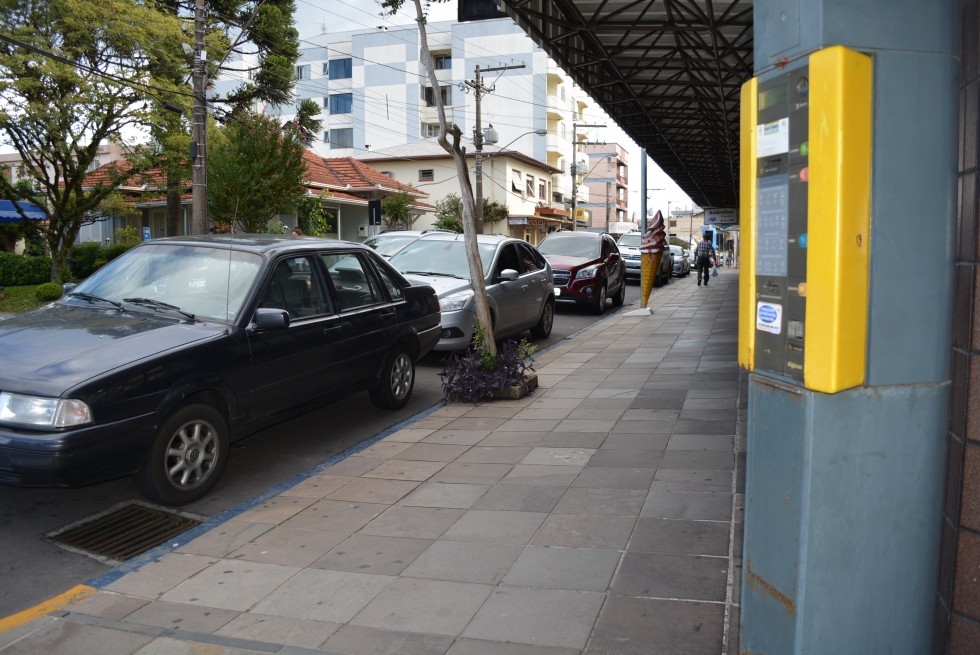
449 213
255 171
494 212
397 208
481 302
72 75
311 217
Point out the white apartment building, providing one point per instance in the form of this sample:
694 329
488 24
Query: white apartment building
375 93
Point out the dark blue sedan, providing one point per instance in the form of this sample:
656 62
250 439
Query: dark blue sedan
175 349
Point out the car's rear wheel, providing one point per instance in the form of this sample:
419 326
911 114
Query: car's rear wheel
187 457
543 329
394 387
600 302
620 296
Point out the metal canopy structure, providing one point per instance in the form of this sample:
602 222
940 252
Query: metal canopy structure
669 72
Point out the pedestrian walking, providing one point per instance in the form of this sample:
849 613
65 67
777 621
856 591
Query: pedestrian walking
652 245
704 256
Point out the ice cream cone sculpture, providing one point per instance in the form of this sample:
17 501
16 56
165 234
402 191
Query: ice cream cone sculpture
652 245
649 267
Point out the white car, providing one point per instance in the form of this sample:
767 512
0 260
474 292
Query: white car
682 266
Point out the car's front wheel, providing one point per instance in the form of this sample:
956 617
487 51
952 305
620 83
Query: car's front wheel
543 329
620 296
394 387
187 457
600 302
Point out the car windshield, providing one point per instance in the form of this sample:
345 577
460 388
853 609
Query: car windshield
388 245
207 283
440 257
630 240
676 251
583 246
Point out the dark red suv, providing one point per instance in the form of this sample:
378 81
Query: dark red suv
587 267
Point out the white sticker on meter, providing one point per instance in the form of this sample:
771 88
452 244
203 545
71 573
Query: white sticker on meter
772 138
769 317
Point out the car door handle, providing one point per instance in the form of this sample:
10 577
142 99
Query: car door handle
523 287
387 315
333 328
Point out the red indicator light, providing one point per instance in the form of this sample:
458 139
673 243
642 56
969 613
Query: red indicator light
804 174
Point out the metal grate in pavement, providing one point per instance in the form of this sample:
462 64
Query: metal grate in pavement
124 531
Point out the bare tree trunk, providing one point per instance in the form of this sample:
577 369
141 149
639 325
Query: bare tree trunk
480 299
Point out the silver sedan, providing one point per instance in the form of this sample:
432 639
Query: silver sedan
518 279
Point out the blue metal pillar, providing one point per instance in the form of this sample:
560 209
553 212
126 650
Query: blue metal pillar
844 491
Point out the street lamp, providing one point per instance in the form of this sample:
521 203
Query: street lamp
490 136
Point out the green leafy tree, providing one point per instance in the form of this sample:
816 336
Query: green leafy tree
259 32
397 208
312 218
449 213
494 212
255 171
72 75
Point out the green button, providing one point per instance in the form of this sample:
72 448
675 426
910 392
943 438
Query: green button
805 148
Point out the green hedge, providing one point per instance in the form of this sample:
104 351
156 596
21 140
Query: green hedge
86 258
22 270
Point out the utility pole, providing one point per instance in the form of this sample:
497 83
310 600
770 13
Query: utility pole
479 90
575 172
199 130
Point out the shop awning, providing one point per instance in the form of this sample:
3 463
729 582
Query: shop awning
9 213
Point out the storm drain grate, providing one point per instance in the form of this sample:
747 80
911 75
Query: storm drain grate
123 532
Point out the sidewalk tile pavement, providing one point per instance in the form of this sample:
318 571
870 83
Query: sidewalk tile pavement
600 515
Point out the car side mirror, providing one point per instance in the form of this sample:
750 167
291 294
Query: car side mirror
509 275
269 318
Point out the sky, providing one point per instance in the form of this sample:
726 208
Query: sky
314 17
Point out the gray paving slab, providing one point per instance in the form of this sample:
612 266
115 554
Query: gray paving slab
153 579
578 569
494 454
427 606
362 553
373 489
413 522
681 537
465 561
66 638
585 531
481 647
666 575
708 506
322 595
521 498
445 494
230 584
289 546
620 502
285 630
545 617
180 616
495 526
471 473
697 459
615 477
644 626
626 458
336 516
360 640
108 605
225 538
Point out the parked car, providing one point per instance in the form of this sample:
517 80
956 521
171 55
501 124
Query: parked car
682 267
176 348
588 268
629 246
388 243
517 278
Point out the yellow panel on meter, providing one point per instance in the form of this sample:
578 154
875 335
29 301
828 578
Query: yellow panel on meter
840 205
806 189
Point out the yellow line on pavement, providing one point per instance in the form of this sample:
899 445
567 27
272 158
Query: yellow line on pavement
20 618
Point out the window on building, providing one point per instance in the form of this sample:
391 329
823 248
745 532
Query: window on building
341 103
428 95
443 61
430 130
339 69
303 72
340 138
388 174
541 190
426 175
516 177
529 186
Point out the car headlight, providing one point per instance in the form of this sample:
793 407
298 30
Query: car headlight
43 412
455 302
589 271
